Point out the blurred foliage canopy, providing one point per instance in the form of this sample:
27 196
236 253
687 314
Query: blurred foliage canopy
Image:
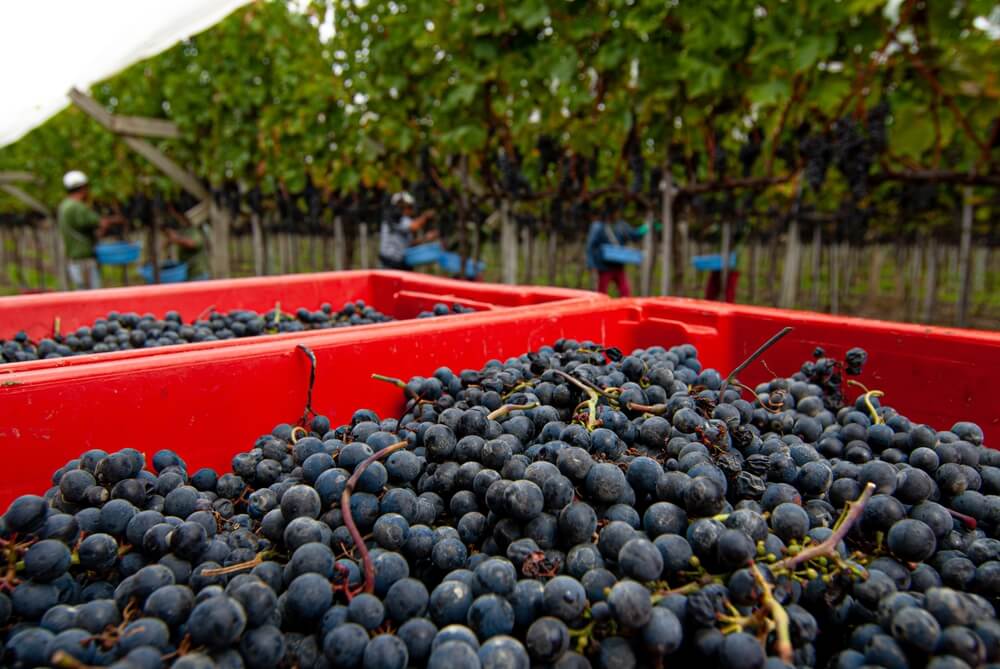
588 91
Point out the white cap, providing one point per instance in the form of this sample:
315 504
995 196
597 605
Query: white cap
403 198
74 179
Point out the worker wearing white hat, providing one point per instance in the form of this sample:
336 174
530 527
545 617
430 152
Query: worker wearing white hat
80 226
398 229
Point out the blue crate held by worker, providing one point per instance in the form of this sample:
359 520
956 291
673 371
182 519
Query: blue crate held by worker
169 273
452 264
712 262
423 254
620 255
117 253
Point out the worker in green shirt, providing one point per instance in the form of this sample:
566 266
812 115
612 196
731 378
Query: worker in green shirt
80 226
191 247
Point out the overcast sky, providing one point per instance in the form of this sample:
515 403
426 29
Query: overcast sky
48 46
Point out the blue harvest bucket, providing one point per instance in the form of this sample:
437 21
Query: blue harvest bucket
169 273
620 255
712 262
423 254
117 253
452 264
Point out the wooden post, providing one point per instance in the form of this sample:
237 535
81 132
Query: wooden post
899 263
236 257
281 258
514 247
314 252
790 275
913 281
526 253
793 254
154 242
477 236
463 212
220 241
39 259
363 243
930 282
875 271
848 260
954 252
667 240
508 243
59 256
17 176
646 268
293 252
816 264
964 259
684 269
771 280
754 264
338 243
553 248
727 235
328 243
979 269
3 255
584 278
129 129
834 277
991 271
257 239
15 233
27 199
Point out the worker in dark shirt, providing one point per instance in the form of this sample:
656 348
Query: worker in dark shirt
191 247
620 233
397 236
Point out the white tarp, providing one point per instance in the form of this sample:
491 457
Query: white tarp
49 46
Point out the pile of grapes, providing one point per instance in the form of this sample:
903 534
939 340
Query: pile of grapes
125 331
573 507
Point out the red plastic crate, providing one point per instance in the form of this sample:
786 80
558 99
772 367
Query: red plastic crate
210 404
402 295
933 375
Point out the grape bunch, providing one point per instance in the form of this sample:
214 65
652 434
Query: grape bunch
816 152
655 185
442 309
916 199
853 155
637 165
720 161
878 135
548 153
512 180
852 220
750 151
571 507
556 213
129 331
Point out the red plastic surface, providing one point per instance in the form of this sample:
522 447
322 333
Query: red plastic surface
402 295
933 375
210 404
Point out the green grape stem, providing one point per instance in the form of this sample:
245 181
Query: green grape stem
507 408
829 546
783 638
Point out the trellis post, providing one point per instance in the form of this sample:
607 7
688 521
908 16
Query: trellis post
132 129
